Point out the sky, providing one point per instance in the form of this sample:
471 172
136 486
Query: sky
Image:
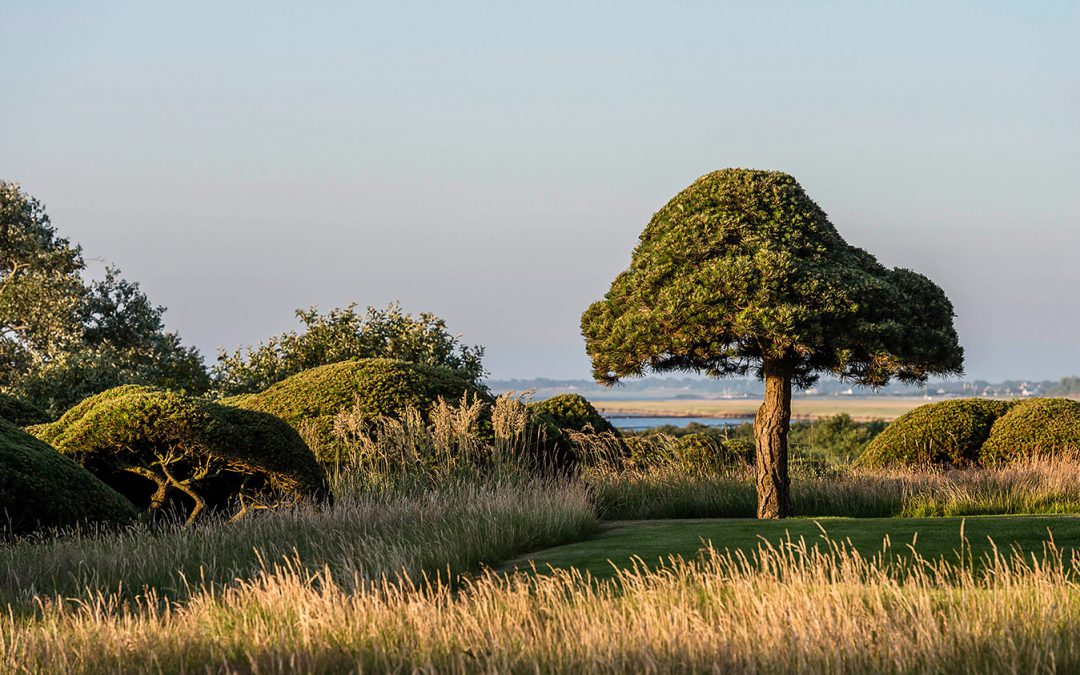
495 162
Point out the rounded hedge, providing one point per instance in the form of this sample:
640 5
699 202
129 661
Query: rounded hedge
163 449
1035 427
39 487
573 412
370 388
948 433
19 412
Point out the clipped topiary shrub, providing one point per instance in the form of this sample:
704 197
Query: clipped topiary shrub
20 412
1032 428
39 487
945 433
310 401
573 412
163 449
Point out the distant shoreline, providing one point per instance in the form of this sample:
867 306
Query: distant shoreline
860 408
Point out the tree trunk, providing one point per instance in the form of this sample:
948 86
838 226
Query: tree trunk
770 439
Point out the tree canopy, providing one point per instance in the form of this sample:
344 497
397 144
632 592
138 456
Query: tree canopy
742 267
344 335
63 338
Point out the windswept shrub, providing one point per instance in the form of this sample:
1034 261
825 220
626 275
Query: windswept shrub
945 433
368 389
39 487
19 412
1035 427
163 449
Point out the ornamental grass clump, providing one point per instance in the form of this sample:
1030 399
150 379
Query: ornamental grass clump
40 488
164 451
948 433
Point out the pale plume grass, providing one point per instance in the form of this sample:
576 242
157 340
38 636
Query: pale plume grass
790 607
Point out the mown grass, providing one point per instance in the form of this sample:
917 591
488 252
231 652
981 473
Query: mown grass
620 545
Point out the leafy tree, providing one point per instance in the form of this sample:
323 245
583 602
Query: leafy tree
344 335
742 271
63 339
40 287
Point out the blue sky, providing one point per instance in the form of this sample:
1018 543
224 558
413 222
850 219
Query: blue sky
495 162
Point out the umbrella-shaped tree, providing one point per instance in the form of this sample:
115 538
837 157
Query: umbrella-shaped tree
742 272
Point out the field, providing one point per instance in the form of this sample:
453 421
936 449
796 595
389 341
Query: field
440 553
861 408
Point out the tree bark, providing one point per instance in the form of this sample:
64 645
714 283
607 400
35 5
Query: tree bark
770 439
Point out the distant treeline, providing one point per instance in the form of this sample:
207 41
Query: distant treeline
695 387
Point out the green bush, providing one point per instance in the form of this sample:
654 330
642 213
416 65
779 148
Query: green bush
1035 427
573 412
39 487
163 449
705 453
368 388
19 412
948 433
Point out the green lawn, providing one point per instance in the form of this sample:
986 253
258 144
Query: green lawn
654 540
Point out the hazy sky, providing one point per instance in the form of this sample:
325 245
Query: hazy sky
495 162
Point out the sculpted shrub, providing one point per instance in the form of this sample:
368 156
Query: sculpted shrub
163 449
945 433
1035 427
311 401
39 487
742 272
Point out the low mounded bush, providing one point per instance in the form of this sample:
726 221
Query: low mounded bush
39 487
948 433
19 412
1035 427
163 449
573 412
312 400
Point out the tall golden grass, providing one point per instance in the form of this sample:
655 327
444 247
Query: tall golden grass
789 608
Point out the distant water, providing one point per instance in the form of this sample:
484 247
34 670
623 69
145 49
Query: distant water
638 422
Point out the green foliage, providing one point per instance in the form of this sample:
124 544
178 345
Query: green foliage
312 400
945 433
62 339
163 449
742 268
834 440
573 412
345 335
40 287
704 454
1035 427
39 487
19 412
